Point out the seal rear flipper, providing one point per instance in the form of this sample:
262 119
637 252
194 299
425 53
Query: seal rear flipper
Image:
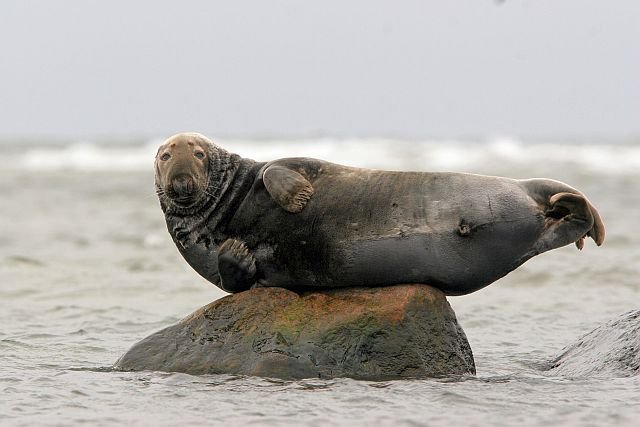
236 266
597 233
287 187
571 218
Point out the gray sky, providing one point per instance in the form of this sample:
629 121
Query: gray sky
420 68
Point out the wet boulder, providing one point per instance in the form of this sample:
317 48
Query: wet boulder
610 350
403 331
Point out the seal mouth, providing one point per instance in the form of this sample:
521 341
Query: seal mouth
181 198
183 201
184 190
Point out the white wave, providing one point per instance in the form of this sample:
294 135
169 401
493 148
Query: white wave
499 155
90 157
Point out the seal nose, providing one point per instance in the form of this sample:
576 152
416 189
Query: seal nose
183 185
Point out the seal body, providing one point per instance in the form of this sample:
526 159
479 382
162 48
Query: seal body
303 223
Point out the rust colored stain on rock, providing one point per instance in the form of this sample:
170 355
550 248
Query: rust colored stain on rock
402 331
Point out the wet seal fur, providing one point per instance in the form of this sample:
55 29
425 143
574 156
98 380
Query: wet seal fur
302 223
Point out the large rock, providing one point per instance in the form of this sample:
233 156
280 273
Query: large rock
403 331
610 350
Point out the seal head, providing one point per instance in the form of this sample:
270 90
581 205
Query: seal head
199 186
182 170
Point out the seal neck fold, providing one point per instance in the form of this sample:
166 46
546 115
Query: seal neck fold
226 176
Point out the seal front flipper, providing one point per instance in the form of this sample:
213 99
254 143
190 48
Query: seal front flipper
236 266
287 187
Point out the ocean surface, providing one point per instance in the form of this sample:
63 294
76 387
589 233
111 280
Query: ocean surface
87 269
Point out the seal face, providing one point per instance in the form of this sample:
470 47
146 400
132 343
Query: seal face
303 223
182 171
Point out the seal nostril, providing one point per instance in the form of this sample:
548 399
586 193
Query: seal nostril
183 185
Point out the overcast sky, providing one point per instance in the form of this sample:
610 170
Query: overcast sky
422 68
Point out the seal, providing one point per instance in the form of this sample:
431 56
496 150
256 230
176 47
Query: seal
302 223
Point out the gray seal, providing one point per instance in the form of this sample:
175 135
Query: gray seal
304 224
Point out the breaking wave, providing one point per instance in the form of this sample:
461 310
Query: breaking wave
471 156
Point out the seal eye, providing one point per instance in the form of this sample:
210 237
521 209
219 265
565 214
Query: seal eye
165 157
199 154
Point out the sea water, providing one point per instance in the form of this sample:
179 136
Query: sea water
87 269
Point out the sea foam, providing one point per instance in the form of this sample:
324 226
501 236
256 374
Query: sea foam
498 154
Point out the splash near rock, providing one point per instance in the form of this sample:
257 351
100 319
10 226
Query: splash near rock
405 331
